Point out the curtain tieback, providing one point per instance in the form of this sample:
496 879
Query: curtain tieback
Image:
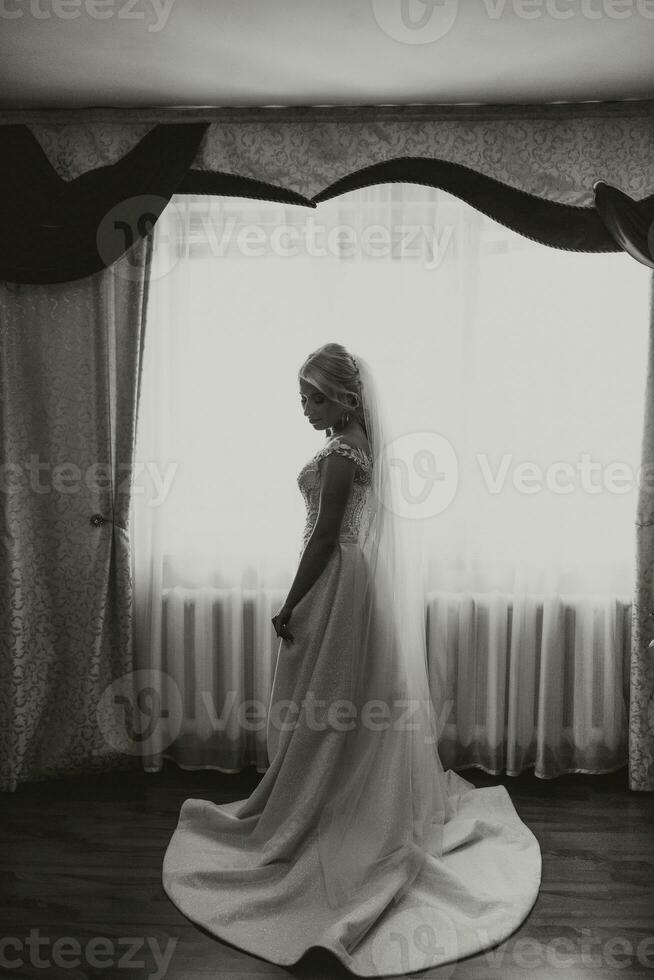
98 519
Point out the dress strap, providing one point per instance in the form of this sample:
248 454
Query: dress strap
336 445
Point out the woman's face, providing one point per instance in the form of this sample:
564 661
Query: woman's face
322 412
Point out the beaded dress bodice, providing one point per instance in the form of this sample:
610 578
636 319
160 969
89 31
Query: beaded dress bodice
354 518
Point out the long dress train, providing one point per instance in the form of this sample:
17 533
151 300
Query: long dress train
250 871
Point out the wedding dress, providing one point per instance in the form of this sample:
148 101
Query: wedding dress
275 877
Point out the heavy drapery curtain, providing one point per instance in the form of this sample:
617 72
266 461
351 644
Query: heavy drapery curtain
517 384
70 358
58 228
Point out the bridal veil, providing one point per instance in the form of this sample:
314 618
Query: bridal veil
389 805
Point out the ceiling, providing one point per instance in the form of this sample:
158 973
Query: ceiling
74 53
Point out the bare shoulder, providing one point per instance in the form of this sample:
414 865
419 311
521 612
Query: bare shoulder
357 438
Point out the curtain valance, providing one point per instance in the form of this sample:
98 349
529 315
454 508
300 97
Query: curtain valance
532 168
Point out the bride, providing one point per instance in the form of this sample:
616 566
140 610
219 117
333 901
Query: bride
355 839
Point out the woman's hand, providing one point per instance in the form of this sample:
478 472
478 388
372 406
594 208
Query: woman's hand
280 622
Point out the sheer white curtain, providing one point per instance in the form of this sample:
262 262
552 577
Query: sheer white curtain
515 380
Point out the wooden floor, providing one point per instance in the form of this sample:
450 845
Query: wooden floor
80 859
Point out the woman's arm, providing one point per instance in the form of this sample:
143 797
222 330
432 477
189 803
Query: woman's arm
336 478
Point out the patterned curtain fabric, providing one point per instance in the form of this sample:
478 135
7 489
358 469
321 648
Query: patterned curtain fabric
641 714
552 156
70 363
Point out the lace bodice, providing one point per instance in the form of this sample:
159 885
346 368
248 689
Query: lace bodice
309 483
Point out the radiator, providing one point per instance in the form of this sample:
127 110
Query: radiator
491 681
562 690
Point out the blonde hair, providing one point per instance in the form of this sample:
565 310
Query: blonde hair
334 372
